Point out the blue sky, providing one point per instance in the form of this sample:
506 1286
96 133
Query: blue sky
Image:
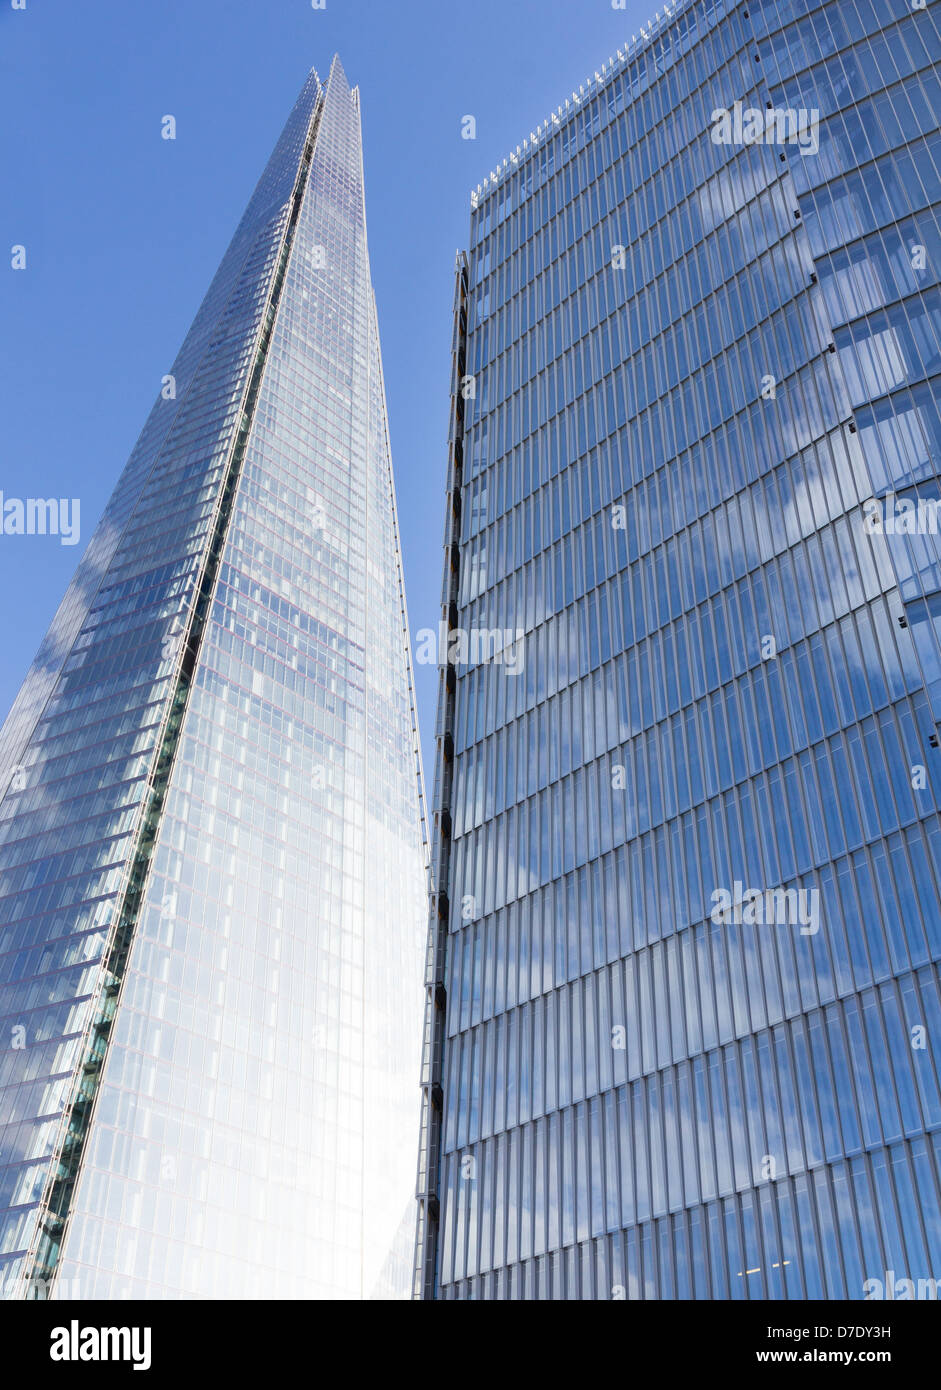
123 230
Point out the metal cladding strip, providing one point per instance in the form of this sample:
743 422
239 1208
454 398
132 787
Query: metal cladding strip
429 1156
51 1226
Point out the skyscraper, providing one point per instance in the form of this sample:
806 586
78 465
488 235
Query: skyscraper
684 1036
212 864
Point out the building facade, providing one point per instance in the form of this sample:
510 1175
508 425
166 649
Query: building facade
683 1034
211 1010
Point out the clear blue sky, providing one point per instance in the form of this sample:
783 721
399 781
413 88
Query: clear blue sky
123 230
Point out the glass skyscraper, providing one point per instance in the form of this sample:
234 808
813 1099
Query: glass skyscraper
683 1035
212 860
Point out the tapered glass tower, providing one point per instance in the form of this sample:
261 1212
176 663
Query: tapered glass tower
684 1028
212 868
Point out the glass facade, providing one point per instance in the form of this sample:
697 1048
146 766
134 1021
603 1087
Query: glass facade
684 1029
211 1011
